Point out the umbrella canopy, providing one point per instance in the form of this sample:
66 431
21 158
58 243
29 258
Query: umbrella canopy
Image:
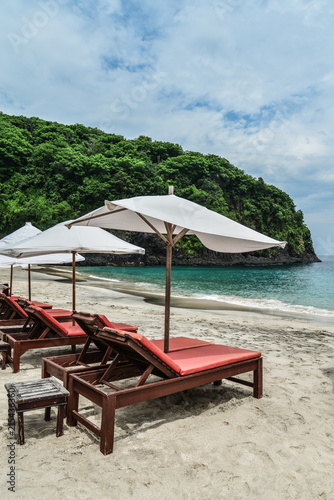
25 232
171 217
60 239
6 261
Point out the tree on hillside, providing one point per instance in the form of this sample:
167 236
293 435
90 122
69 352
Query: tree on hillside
51 172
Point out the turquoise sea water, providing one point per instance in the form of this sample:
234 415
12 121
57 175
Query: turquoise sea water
298 288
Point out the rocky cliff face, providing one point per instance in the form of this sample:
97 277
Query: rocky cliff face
155 254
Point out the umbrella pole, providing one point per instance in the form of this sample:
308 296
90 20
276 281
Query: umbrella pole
73 281
167 296
11 280
29 282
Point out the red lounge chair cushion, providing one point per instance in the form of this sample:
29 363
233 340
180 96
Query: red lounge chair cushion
178 343
117 326
14 297
67 327
196 359
60 313
154 349
208 357
17 307
73 330
43 305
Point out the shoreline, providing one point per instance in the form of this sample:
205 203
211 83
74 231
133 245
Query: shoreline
210 442
182 302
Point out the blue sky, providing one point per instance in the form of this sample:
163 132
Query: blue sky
249 80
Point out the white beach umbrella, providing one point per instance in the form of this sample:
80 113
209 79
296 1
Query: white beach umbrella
60 239
25 232
171 217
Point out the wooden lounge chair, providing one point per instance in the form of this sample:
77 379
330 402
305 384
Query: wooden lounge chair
12 310
11 313
180 369
62 366
3 302
25 303
40 331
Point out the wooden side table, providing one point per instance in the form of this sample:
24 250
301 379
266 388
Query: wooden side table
5 351
34 394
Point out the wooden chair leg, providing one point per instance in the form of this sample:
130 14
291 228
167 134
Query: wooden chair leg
4 360
107 425
72 403
16 357
47 416
20 422
258 380
45 374
60 420
7 354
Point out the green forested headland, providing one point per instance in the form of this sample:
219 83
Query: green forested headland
51 172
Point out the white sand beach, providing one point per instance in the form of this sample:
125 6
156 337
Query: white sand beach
211 442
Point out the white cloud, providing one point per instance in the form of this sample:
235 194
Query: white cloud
249 80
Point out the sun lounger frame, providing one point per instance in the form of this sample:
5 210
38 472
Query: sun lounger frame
20 344
84 384
62 367
12 312
37 333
